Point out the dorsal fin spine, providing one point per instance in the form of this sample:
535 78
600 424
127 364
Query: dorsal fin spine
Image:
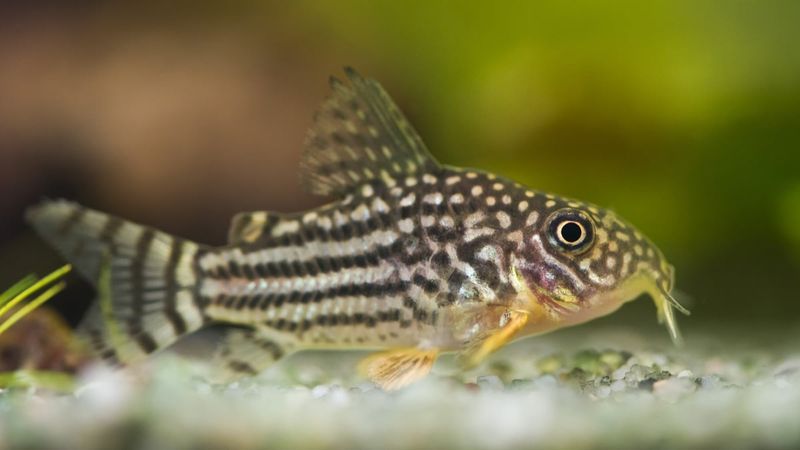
358 135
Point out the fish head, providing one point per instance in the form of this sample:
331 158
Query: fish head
583 262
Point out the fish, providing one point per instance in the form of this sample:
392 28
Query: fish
410 258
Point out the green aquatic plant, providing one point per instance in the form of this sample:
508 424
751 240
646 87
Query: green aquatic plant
18 302
26 288
44 379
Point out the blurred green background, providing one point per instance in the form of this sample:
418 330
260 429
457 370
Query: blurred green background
683 116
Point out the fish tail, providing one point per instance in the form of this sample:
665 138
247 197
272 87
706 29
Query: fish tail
146 280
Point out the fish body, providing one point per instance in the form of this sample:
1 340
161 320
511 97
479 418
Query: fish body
412 257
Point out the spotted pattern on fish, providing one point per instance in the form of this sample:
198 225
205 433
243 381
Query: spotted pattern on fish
410 253
395 253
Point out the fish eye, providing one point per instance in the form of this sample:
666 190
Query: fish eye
571 230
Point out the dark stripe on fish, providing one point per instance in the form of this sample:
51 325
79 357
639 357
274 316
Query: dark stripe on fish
308 233
300 268
265 301
333 320
102 349
171 287
135 326
70 221
109 231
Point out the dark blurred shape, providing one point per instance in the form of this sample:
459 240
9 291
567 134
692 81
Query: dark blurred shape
41 341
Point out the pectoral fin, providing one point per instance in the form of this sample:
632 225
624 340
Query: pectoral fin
512 322
395 369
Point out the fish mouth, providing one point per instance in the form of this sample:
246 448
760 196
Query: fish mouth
666 305
563 307
556 303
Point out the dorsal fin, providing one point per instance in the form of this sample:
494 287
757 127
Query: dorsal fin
359 134
247 227
255 227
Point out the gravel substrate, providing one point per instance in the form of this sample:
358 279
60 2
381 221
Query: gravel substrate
556 391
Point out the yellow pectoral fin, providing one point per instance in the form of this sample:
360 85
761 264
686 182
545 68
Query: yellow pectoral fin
395 369
514 321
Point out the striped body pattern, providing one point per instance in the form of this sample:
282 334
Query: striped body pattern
410 254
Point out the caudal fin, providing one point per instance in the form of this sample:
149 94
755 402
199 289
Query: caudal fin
145 278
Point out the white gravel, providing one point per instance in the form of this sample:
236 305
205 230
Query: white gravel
551 392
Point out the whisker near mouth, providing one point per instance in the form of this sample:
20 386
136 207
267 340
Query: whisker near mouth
683 298
675 304
665 304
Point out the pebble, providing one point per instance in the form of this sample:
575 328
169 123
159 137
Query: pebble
789 369
363 388
636 374
588 361
490 382
710 382
545 382
614 359
522 385
320 391
620 373
660 360
673 388
603 391
338 396
549 364
618 386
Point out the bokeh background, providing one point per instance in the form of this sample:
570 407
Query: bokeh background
683 116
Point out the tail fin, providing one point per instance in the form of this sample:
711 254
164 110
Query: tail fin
145 278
